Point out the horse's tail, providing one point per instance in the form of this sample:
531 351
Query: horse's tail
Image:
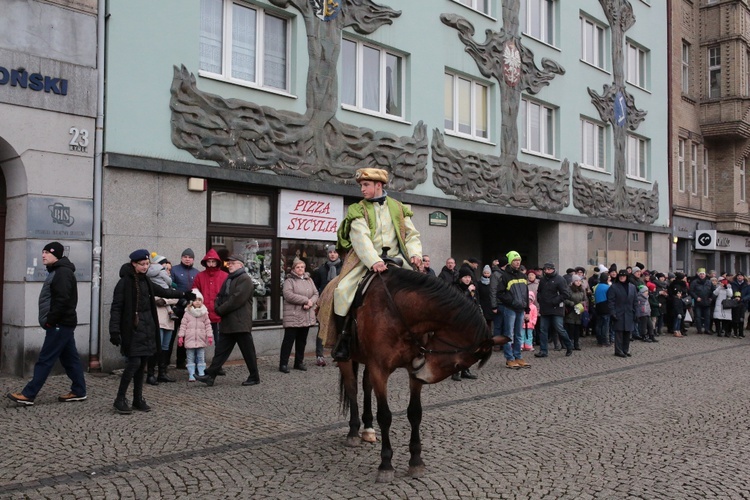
343 398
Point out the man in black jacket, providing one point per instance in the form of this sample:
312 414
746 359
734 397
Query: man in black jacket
551 294
323 275
234 305
57 315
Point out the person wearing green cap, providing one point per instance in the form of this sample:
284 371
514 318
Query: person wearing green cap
513 294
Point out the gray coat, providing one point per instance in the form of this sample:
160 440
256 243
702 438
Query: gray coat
623 305
234 303
297 291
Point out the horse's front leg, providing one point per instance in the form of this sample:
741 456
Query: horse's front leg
348 370
414 412
379 382
368 432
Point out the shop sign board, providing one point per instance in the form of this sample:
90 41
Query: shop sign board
309 216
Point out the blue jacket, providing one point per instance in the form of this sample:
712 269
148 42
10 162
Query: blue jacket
183 277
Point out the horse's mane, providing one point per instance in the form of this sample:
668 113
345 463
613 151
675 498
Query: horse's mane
441 295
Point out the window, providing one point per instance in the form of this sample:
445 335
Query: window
537 130
694 168
743 188
592 43
705 172
538 18
636 66
636 157
244 44
681 165
480 5
592 144
372 79
747 74
466 107
685 67
714 72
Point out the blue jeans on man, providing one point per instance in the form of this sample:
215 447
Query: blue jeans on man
59 343
557 323
513 329
498 321
702 317
602 329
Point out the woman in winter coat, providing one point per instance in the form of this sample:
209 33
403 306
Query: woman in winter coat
195 334
483 293
723 317
159 275
574 307
300 297
134 325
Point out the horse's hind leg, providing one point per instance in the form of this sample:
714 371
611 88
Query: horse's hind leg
379 384
414 412
368 432
349 375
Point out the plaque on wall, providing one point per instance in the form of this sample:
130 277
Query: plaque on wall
55 218
438 219
78 252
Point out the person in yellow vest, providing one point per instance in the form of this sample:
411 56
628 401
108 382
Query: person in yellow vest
375 223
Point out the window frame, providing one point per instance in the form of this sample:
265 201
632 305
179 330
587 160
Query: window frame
545 136
600 48
456 109
694 169
472 4
641 68
705 172
743 179
642 153
685 58
358 105
714 68
681 165
600 147
261 53
546 21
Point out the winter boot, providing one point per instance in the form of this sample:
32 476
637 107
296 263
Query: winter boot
201 369
163 360
150 371
191 371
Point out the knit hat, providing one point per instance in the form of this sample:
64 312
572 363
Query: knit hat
55 248
642 288
548 265
197 293
738 294
512 255
576 279
612 268
157 259
465 271
636 269
679 276
188 252
701 270
602 268
578 269
671 275
139 255
651 286
486 269
660 275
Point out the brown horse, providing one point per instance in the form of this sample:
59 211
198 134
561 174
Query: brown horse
413 321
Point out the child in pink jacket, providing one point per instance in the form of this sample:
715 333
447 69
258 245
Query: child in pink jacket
529 322
195 334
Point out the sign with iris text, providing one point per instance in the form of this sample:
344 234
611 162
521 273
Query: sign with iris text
309 216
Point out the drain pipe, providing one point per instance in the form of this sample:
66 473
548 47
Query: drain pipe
96 247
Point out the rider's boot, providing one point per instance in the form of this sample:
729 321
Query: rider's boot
341 350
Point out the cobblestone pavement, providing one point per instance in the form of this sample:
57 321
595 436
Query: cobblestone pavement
670 422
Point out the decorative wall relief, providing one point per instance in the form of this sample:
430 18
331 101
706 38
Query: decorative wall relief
315 145
503 179
616 106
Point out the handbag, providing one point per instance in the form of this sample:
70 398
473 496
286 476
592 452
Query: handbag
728 304
585 319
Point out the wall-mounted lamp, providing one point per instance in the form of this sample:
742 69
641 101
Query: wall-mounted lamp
674 240
197 184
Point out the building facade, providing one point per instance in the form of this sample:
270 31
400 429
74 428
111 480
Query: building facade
709 134
506 124
48 97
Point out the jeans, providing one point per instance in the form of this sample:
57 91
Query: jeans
702 317
59 343
557 324
512 328
528 337
497 321
195 357
602 329
166 336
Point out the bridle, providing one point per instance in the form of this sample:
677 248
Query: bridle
476 346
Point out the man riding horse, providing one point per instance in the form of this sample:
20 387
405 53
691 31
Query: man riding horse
376 223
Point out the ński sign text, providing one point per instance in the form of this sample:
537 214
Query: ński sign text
309 216
34 81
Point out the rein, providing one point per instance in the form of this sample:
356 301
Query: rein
421 346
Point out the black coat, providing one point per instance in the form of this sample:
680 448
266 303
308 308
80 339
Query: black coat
320 276
234 303
622 298
133 321
449 276
59 296
552 292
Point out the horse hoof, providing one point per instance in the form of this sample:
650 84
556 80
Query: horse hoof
368 436
352 441
416 471
385 476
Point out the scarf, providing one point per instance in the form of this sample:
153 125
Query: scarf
332 272
485 281
197 313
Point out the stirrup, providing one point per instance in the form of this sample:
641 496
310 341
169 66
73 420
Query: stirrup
341 351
